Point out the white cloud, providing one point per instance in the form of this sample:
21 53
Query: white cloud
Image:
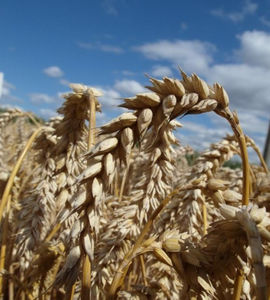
101 47
7 97
102 118
110 99
247 82
161 71
191 55
247 86
255 128
47 113
248 8
252 122
200 136
53 71
109 105
217 132
64 82
129 87
110 48
40 98
7 87
255 48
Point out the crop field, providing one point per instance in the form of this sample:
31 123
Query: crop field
119 212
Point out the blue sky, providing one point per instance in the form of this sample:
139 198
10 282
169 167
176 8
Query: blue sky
111 44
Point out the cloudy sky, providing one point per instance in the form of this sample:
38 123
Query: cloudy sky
112 44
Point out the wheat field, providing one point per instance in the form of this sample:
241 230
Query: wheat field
117 212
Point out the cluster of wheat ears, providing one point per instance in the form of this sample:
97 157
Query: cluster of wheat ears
116 213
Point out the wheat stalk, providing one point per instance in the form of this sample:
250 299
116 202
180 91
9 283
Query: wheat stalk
171 98
133 219
61 164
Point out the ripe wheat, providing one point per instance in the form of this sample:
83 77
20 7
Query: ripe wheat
128 218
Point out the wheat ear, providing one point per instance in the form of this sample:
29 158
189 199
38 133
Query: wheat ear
219 105
170 99
15 170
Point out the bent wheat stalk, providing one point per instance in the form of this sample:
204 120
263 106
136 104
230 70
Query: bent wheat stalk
193 103
189 242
